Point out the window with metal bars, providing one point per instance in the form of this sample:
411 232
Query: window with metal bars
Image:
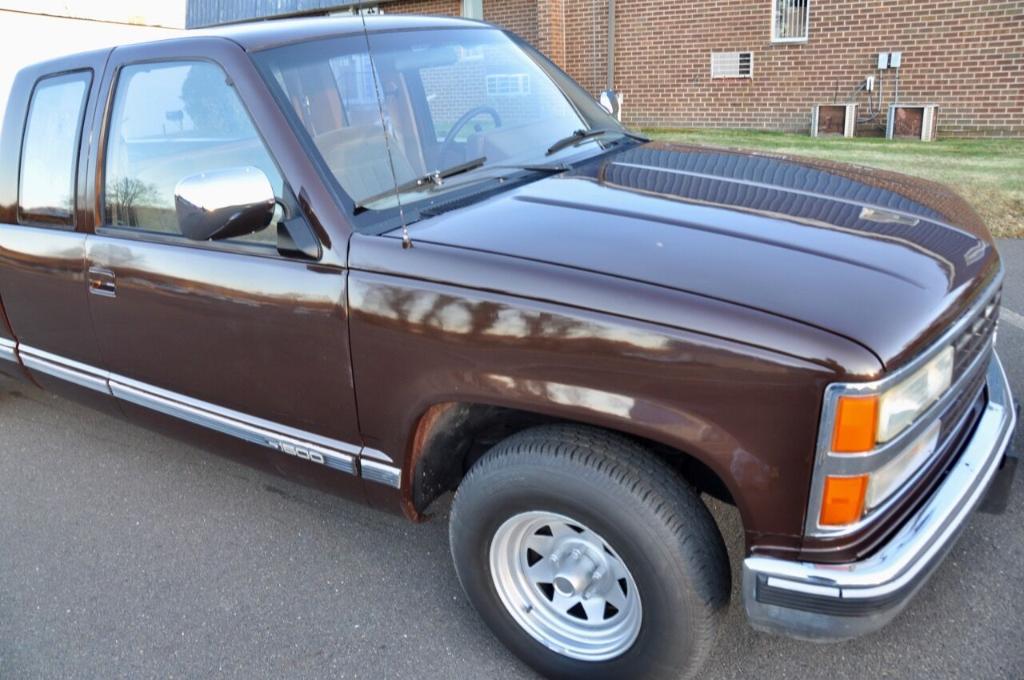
791 20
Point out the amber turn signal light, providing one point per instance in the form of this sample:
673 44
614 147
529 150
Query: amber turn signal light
856 424
843 500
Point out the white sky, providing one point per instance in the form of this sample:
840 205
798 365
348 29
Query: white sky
168 13
29 38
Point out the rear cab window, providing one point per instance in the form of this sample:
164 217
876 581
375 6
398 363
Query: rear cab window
53 128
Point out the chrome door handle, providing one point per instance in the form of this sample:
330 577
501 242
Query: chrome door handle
102 282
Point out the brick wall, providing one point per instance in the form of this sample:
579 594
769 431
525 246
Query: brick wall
551 29
449 7
965 55
518 16
586 39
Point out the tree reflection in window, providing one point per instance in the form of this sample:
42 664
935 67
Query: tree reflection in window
124 194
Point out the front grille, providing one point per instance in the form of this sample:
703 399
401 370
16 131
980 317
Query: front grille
953 419
976 336
971 350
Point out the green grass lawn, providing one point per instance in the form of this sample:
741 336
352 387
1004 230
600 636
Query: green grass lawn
987 172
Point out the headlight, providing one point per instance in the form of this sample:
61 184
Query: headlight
901 405
863 423
890 477
845 499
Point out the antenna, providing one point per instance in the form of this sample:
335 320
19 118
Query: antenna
406 241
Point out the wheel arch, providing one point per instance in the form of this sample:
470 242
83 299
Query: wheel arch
449 436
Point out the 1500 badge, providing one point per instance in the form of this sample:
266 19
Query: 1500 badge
297 451
314 454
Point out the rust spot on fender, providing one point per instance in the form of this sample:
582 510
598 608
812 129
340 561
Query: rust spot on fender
424 428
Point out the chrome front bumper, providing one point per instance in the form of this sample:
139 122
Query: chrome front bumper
841 601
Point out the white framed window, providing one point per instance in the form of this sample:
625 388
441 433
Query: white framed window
732 64
370 11
508 84
791 20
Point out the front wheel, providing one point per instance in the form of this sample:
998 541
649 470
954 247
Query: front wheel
588 556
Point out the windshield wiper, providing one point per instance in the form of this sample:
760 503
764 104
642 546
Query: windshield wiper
435 179
533 167
444 205
542 168
580 136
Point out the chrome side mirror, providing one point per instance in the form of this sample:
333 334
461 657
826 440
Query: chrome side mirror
224 203
611 101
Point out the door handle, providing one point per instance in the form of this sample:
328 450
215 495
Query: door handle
102 282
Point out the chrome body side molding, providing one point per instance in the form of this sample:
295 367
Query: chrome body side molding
63 368
7 350
242 429
381 473
220 411
332 453
378 455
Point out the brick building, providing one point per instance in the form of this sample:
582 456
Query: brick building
753 63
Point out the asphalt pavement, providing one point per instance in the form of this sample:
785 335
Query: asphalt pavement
125 554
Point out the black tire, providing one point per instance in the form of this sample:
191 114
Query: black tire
639 505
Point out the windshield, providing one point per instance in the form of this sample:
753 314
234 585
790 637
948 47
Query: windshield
455 102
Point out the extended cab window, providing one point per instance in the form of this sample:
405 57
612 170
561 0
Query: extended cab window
46 193
173 120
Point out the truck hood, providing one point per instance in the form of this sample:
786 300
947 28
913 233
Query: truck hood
882 259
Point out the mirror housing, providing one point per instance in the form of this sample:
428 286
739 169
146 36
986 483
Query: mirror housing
295 238
611 101
224 203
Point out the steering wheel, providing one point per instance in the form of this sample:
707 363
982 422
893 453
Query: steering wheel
464 120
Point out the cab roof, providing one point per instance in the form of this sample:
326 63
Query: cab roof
258 35
253 36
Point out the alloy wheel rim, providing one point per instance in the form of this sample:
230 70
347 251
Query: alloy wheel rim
565 586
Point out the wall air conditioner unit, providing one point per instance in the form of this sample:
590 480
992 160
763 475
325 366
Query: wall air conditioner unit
912 121
732 64
834 119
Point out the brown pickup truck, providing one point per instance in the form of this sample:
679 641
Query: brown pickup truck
412 258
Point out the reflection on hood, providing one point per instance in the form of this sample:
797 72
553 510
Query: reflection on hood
914 212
